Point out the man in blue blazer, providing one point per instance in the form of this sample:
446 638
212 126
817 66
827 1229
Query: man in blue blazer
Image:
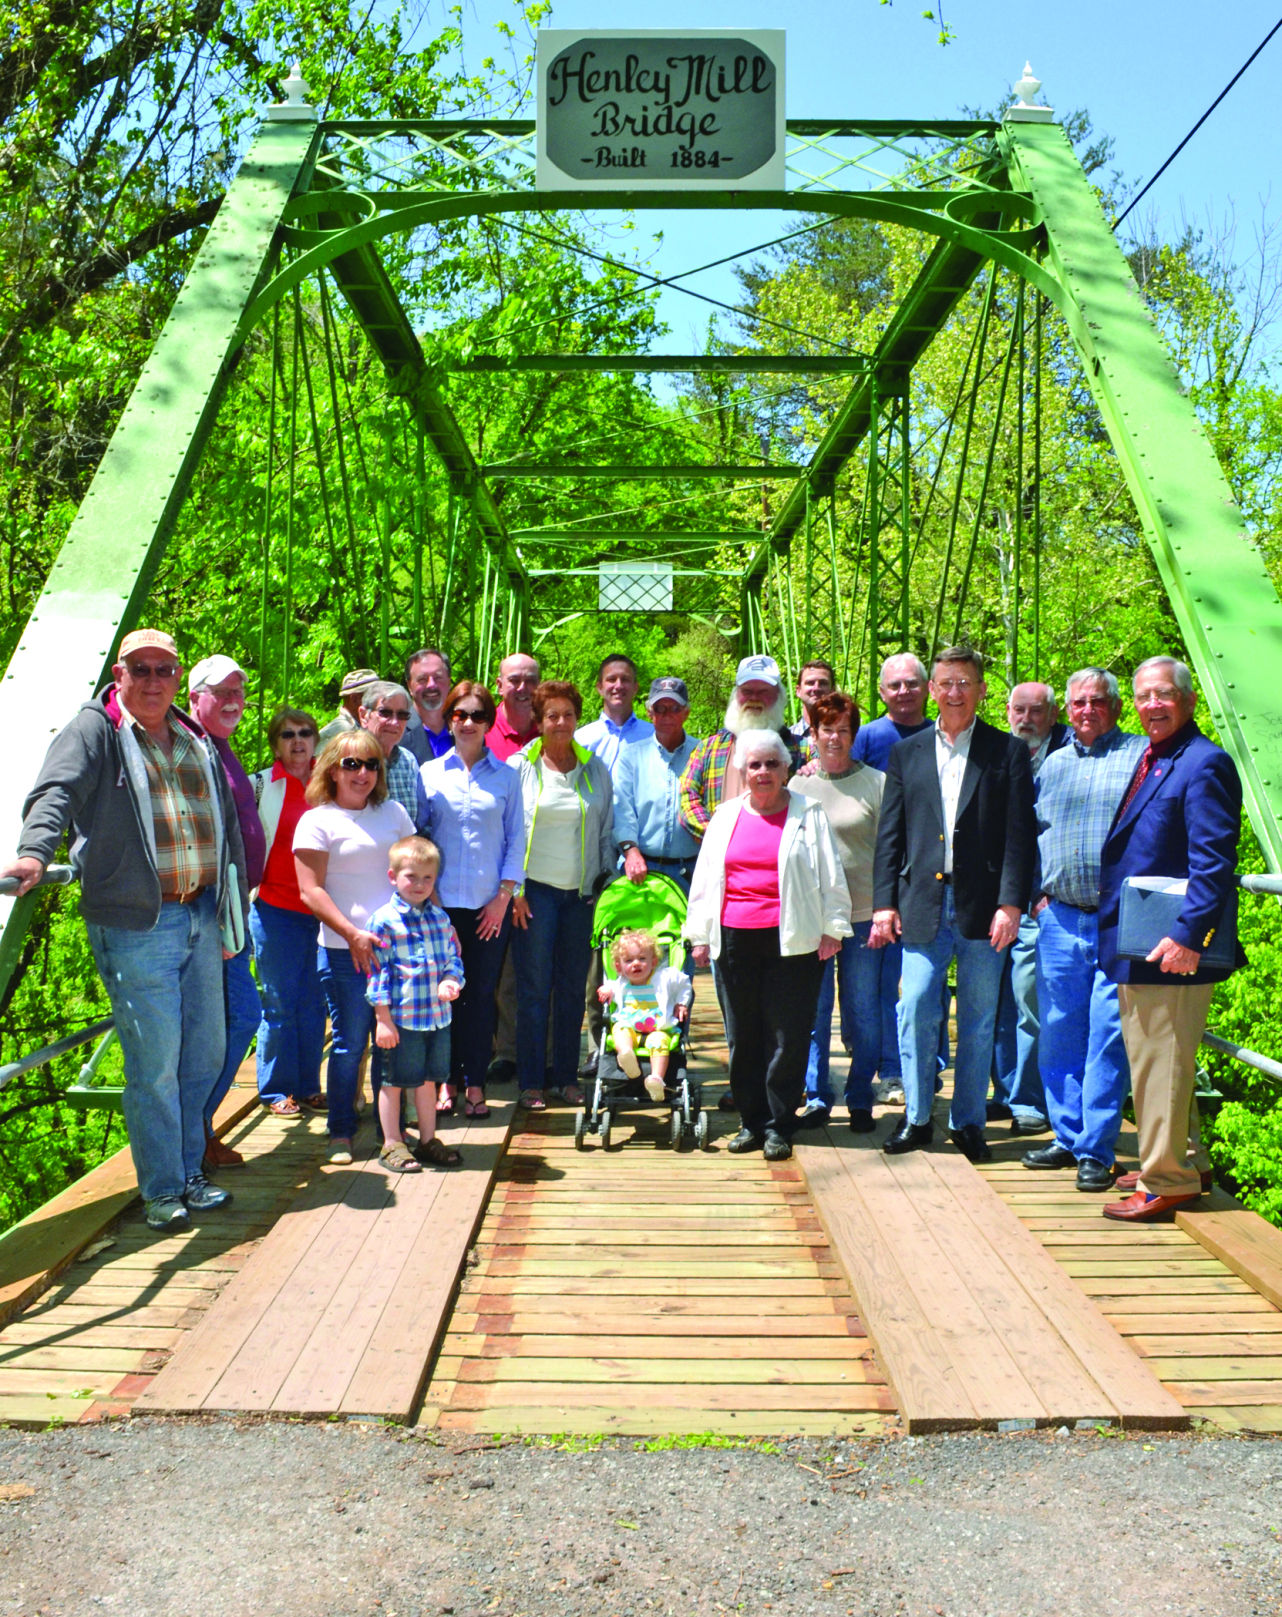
1181 816
951 876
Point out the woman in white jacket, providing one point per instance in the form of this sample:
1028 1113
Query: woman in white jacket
769 903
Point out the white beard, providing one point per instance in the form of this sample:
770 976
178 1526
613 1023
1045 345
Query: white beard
737 721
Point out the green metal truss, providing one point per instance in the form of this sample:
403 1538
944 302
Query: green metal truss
1011 198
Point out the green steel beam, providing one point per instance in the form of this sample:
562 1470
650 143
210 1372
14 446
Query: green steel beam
1223 598
638 472
99 583
732 364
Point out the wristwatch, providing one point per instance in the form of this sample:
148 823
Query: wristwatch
626 847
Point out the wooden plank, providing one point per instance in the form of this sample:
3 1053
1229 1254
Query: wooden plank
695 1326
74 1356
1186 1366
1131 1389
1194 1393
657 1302
1244 1418
1230 1345
664 1421
996 1278
1243 1242
584 1371
394 1368
189 1378
683 1351
665 1285
929 1391
152 1338
572 1396
729 1242
1131 1287
1193 1324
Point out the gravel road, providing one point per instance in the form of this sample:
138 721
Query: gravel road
160 1519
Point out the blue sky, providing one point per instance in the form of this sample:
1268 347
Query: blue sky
1144 70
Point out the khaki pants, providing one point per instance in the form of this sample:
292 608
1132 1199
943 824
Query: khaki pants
1162 1028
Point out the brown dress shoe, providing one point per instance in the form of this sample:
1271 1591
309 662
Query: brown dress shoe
1141 1208
218 1155
1131 1181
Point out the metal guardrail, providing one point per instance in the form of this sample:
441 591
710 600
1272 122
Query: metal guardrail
54 876
50 1052
1249 1058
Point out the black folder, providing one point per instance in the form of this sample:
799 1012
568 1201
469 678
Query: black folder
1151 906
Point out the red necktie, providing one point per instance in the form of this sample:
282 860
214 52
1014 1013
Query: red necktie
1140 774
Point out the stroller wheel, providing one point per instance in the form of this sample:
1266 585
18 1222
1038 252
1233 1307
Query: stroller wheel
676 1127
604 1129
580 1128
701 1131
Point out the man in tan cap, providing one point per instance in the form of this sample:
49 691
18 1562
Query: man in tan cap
351 694
154 840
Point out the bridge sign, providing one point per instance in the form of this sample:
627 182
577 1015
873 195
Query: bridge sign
641 109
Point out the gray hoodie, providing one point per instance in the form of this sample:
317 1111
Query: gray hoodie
94 779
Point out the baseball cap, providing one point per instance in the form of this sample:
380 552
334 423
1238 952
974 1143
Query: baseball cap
212 671
138 639
760 667
356 680
670 686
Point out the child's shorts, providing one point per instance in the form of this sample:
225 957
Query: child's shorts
421 1057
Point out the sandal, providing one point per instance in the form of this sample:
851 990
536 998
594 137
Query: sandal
476 1108
445 1107
283 1108
572 1095
314 1103
532 1100
438 1153
397 1157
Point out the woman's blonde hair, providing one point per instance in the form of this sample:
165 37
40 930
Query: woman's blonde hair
322 788
632 943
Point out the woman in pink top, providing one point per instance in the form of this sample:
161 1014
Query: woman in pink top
769 902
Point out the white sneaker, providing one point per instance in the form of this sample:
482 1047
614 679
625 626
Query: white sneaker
891 1094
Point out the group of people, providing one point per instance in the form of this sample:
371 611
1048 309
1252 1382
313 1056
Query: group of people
424 868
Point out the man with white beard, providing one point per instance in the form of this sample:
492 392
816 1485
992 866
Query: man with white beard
756 703
710 777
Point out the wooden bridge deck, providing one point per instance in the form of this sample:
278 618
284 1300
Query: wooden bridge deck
638 1291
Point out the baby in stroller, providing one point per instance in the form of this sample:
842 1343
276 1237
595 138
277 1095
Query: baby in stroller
651 1003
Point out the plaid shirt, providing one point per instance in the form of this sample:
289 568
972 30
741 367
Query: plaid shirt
417 949
402 780
1078 791
703 782
184 816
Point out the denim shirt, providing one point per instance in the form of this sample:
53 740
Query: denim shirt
646 798
475 817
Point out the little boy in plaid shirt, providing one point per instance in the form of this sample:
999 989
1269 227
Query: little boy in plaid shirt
417 971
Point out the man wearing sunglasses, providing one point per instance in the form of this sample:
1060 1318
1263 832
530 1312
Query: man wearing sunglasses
154 837
385 711
217 696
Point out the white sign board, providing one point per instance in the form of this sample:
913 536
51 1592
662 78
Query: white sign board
644 109
634 586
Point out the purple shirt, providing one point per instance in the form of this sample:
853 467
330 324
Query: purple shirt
251 827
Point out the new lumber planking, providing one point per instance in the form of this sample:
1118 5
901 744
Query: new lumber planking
1243 1242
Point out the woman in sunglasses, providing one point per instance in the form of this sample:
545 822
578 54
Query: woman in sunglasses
474 817
341 852
292 1032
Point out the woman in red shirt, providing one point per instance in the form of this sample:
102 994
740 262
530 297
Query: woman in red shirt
291 1035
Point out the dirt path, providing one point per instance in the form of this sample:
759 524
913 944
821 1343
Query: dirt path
156 1519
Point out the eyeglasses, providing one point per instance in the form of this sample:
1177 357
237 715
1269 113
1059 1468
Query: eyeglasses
468 715
401 713
1090 701
296 735
152 670
351 765
951 685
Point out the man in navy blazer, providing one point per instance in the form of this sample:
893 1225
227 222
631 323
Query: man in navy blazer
1181 816
952 875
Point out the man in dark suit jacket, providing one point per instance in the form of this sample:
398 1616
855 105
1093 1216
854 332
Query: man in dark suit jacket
1181 816
952 876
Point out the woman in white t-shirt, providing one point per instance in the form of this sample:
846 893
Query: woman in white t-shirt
341 848
569 855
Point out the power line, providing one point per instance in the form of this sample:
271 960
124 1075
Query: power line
1199 123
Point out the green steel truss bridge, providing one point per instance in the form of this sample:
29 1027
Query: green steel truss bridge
295 263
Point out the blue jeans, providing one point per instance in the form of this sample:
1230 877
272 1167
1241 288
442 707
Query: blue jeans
420 1056
351 1020
854 976
552 955
291 1036
244 1012
166 993
1017 1078
979 980
1083 1056
892 969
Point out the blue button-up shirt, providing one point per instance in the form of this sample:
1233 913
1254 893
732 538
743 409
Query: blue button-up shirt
475 817
1078 792
646 795
417 950
610 740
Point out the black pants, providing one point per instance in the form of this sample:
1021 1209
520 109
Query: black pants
769 1001
474 1010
